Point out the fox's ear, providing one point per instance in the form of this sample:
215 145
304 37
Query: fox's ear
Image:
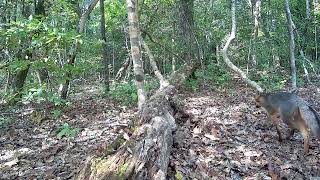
263 93
260 92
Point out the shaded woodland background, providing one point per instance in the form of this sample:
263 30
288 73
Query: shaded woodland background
85 73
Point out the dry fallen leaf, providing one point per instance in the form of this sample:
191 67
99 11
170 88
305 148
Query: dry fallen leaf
126 136
11 163
196 131
252 153
211 137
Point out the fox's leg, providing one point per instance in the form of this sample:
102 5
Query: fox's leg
290 121
303 128
305 133
276 123
290 133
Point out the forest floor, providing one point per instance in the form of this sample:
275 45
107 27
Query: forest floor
226 137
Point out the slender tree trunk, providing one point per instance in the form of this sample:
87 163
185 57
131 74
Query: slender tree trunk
113 59
304 42
163 82
265 27
126 67
173 59
15 11
257 16
64 88
104 47
40 13
21 76
4 13
226 46
316 6
291 46
308 11
135 51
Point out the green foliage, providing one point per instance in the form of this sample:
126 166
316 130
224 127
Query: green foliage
115 13
123 170
36 95
151 83
56 113
178 175
215 75
125 93
56 99
50 40
40 95
18 65
271 81
192 84
67 131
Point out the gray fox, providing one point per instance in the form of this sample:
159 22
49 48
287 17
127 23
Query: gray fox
294 111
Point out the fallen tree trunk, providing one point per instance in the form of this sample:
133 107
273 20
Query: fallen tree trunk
146 154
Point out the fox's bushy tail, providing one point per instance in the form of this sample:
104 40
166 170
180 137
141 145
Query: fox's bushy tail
312 119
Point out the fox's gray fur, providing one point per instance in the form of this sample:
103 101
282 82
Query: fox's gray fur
294 111
312 119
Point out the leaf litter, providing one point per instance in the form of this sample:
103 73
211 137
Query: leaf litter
226 137
229 138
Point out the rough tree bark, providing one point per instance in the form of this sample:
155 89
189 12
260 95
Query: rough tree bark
65 87
225 51
146 154
186 24
135 50
292 46
104 47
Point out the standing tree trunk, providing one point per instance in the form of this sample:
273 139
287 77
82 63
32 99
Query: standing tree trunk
265 27
186 29
226 46
163 81
40 13
64 88
257 16
308 11
19 80
292 46
316 6
21 75
303 44
104 48
135 50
